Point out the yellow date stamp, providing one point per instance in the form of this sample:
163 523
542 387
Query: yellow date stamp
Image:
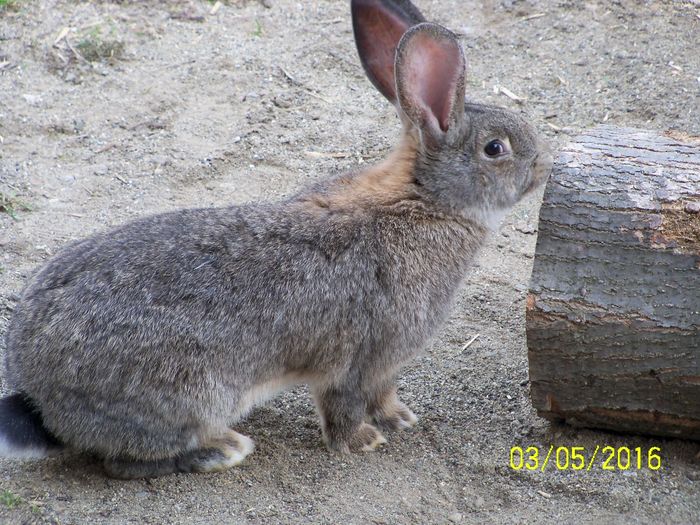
579 458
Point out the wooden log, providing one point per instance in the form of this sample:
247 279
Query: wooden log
613 313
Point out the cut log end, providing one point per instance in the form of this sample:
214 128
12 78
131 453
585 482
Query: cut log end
613 314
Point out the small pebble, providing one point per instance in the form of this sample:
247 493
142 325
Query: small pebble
692 207
32 100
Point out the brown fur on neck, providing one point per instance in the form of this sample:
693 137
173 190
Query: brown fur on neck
386 183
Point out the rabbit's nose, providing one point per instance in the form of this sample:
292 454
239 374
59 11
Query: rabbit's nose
542 165
540 170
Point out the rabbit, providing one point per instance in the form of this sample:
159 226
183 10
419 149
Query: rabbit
144 345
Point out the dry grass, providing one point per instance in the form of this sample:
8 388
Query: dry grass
10 204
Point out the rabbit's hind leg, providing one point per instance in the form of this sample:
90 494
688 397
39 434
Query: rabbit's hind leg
214 455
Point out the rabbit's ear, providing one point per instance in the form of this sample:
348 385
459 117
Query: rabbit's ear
378 27
430 71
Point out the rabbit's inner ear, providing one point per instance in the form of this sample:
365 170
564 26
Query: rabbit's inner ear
378 27
430 70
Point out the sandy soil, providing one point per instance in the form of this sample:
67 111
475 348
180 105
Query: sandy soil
171 106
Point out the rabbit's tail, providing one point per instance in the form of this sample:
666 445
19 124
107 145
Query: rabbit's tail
22 434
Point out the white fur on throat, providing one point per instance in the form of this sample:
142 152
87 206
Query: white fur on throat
491 219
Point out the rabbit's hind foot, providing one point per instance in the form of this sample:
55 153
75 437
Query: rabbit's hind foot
218 454
215 455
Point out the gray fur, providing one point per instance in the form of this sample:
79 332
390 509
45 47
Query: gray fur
145 343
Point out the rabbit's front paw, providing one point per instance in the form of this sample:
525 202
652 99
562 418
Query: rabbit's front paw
395 416
366 439
388 412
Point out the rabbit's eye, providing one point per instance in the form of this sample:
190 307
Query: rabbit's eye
495 148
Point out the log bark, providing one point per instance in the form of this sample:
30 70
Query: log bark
613 313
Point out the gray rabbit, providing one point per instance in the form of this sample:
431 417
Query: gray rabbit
143 345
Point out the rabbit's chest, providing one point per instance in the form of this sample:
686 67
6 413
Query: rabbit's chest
420 293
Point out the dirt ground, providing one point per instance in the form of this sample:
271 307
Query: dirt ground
142 107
